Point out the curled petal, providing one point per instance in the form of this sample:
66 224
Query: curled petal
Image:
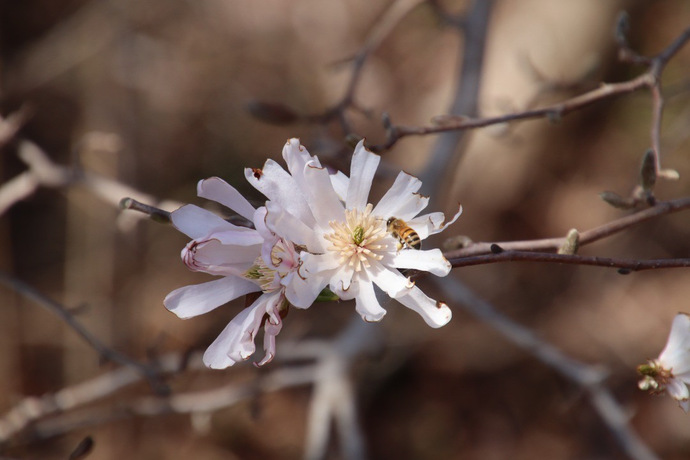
236 342
677 390
216 189
431 261
215 258
362 170
189 301
436 314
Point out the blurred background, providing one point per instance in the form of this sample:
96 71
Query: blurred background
159 94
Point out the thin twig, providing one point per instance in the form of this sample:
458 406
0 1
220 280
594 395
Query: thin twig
150 373
586 237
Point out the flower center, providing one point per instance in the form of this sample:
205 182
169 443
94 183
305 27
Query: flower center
654 376
283 259
359 239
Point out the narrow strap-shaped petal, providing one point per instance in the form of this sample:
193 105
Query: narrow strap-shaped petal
430 224
391 281
431 261
678 390
196 222
362 170
190 301
296 157
366 303
436 314
402 200
340 184
322 198
216 189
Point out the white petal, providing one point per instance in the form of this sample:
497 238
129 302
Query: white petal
391 281
314 264
238 236
341 282
366 303
677 390
362 170
436 314
280 187
190 301
236 342
401 200
271 330
196 222
291 228
323 201
216 189
296 156
676 353
430 224
340 184
431 261
302 292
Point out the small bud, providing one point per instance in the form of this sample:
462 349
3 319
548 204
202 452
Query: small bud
648 171
456 242
571 243
275 114
624 271
496 249
326 295
616 200
353 139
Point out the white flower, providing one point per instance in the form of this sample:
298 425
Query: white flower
346 245
671 370
249 260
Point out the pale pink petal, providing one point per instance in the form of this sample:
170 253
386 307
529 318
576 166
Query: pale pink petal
401 200
292 228
362 170
271 330
189 301
676 353
436 314
366 303
431 261
216 189
215 258
430 224
236 342
296 157
340 183
196 222
280 187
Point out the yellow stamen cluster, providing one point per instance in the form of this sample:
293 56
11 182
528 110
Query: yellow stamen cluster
359 239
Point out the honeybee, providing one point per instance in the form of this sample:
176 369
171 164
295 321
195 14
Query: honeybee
405 235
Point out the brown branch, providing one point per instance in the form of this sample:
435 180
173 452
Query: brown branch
649 79
625 265
585 237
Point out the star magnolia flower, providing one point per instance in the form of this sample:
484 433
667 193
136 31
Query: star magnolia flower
671 370
345 242
249 260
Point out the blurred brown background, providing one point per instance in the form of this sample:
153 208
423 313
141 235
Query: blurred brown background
154 95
